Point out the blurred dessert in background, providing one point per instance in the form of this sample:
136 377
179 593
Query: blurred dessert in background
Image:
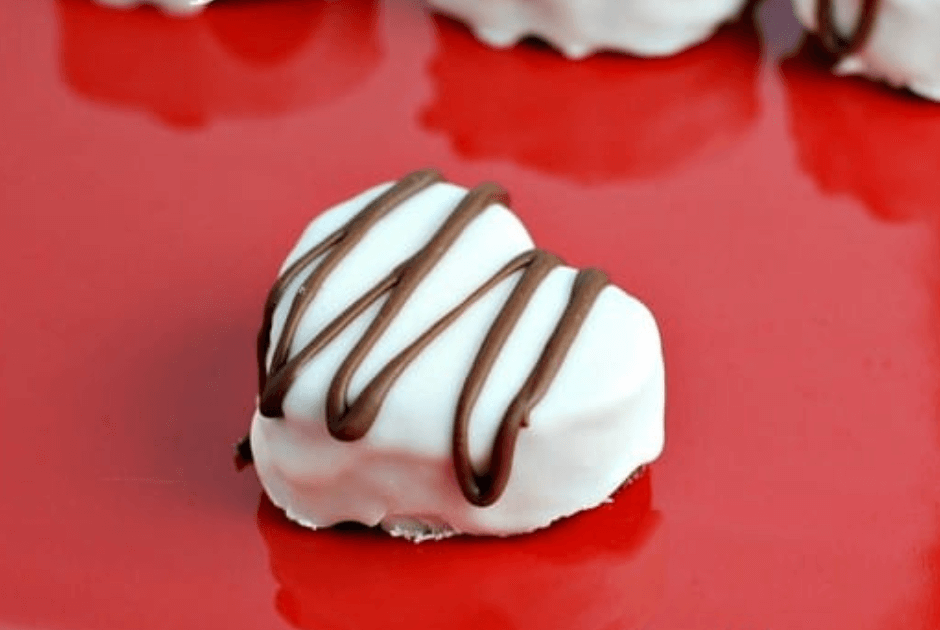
896 41
861 139
241 59
606 118
578 28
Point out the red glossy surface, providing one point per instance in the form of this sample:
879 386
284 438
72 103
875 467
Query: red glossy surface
782 224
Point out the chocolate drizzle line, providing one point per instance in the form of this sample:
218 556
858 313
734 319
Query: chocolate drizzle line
843 45
352 420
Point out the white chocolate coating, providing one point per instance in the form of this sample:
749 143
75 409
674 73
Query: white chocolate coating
652 28
903 49
600 420
175 7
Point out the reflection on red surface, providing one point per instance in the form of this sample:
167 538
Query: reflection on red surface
857 137
881 147
602 569
605 118
926 613
235 59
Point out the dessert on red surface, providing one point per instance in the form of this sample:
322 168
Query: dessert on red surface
857 138
425 368
176 7
241 59
897 41
603 119
577 28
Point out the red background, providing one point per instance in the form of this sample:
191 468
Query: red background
784 226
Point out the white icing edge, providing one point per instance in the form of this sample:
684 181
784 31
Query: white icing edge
577 28
173 7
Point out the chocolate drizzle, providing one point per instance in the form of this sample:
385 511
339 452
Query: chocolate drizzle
843 45
351 420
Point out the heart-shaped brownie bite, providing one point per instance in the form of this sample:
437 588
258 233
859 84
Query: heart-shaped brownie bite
423 367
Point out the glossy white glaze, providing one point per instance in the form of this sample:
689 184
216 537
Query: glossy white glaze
577 28
176 7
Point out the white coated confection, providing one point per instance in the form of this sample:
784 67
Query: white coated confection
173 7
903 48
578 28
600 420
176 7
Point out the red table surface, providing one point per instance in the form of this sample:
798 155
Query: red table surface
783 225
